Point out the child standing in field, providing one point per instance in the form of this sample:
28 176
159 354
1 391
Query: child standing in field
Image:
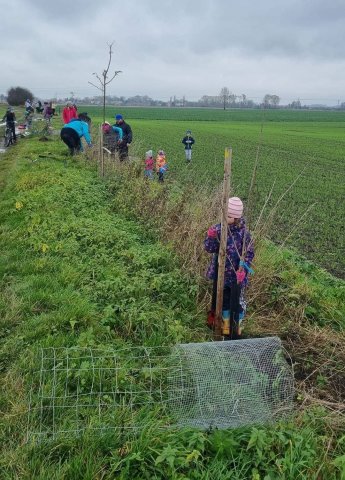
148 172
239 256
161 165
188 142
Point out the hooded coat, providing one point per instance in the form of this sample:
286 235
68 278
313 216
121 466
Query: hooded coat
237 235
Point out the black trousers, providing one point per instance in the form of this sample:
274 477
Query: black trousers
231 298
231 301
70 137
123 152
110 141
12 126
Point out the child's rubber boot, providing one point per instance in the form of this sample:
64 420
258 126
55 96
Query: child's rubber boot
226 323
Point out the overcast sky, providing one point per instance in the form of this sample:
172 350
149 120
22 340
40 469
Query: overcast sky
292 48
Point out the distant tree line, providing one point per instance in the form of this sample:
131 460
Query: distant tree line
225 99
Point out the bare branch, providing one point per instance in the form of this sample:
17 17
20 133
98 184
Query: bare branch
112 78
110 55
99 88
99 79
104 81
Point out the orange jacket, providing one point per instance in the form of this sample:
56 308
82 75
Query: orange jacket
160 162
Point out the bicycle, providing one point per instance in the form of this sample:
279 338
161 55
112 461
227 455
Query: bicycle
9 137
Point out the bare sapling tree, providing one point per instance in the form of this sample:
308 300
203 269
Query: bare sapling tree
104 79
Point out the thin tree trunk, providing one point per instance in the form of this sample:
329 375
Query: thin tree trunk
104 103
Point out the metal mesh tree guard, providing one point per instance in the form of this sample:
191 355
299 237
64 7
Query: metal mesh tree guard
202 385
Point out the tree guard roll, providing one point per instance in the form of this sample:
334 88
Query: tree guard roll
232 384
200 385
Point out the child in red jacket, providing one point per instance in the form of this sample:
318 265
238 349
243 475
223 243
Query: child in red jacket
148 172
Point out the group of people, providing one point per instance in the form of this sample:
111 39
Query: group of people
10 117
47 110
117 137
161 165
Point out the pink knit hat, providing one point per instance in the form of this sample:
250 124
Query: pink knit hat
235 207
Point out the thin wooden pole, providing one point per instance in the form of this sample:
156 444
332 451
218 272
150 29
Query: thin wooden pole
102 154
223 242
107 158
100 149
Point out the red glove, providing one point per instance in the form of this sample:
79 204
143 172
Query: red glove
212 232
240 275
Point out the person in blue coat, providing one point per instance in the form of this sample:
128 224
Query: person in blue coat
72 133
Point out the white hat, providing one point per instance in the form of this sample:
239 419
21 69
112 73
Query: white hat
235 207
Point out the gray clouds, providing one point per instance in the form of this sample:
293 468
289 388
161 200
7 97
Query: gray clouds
192 48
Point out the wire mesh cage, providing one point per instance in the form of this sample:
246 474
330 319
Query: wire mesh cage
202 385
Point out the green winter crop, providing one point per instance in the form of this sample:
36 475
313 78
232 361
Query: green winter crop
302 145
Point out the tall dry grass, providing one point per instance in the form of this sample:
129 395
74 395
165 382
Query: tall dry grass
179 215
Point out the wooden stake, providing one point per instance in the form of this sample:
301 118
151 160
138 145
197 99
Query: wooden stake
223 243
102 154
100 148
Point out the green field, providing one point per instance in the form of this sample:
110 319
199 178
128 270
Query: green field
220 115
310 145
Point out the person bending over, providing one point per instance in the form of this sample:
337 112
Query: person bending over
72 133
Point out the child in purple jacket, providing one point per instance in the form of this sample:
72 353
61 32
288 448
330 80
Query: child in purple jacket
239 256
